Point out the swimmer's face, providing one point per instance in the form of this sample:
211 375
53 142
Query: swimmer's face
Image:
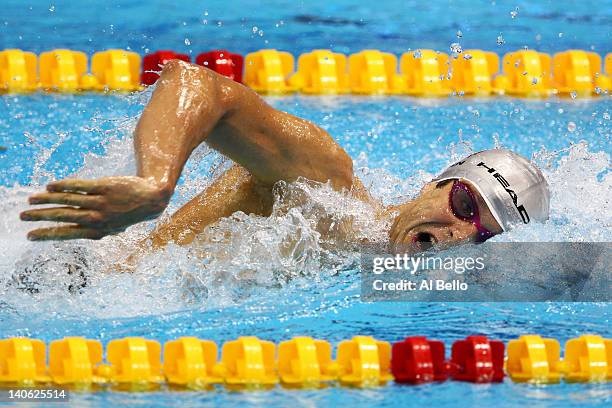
429 220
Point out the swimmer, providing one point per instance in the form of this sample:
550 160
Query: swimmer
480 196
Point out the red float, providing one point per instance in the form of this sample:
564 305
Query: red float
418 360
152 63
477 359
223 62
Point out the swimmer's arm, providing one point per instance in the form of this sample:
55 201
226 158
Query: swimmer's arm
235 190
191 105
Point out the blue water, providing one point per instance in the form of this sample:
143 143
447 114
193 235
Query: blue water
393 141
300 26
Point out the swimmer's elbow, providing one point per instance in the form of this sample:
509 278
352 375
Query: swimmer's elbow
188 74
173 70
209 84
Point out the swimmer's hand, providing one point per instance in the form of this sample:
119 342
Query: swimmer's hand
95 208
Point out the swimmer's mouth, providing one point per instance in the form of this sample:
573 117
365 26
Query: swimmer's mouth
424 241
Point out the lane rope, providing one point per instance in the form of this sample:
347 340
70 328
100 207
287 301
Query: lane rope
249 362
422 73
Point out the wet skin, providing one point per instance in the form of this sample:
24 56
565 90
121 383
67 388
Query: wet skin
193 105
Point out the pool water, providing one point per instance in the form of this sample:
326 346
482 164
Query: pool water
397 145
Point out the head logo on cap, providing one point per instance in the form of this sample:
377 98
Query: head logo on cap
504 183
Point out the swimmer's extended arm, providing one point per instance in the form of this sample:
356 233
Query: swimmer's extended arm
192 105
234 190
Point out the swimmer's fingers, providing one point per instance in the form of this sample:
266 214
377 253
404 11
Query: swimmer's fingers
76 186
76 200
63 214
65 233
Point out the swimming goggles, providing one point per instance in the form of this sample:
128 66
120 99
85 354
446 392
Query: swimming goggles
464 206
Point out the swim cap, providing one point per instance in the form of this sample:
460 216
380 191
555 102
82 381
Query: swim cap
513 188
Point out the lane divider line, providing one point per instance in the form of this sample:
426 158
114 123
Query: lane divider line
302 362
422 72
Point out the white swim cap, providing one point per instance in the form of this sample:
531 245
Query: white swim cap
513 188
